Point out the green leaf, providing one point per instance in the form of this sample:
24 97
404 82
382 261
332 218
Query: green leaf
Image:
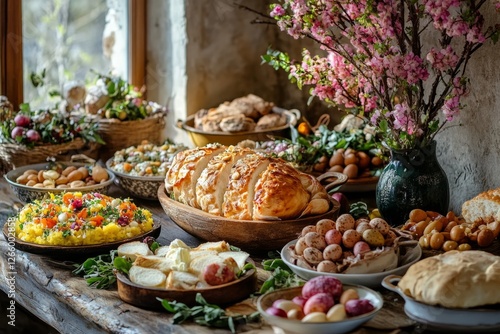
122 264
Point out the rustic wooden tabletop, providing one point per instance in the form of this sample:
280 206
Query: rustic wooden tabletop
47 288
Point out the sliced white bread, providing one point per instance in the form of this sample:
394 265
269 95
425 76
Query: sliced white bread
148 277
181 280
239 195
163 264
185 171
239 257
218 246
132 249
484 207
197 253
212 183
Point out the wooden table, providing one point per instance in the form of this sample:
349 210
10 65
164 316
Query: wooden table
62 300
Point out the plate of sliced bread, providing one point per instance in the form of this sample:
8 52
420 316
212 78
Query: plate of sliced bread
178 272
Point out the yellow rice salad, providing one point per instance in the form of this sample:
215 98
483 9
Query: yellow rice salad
74 219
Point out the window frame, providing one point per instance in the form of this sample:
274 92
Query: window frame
11 57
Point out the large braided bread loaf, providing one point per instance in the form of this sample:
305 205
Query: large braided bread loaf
239 183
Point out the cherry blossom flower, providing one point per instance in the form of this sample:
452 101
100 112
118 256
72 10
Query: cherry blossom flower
375 62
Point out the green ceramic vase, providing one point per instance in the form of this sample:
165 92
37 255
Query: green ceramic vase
412 179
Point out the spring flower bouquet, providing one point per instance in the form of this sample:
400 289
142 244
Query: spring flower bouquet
401 64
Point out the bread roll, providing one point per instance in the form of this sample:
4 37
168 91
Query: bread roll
454 279
148 277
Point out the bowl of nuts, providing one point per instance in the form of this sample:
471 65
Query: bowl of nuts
36 181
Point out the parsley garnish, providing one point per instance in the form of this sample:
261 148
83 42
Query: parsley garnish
206 314
99 271
139 216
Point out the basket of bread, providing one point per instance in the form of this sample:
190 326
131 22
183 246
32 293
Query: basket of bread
247 117
249 199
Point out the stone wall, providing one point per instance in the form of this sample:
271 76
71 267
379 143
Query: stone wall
217 58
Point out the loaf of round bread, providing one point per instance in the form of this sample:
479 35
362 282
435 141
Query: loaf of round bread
454 279
242 184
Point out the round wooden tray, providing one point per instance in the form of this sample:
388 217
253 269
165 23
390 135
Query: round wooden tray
249 235
224 294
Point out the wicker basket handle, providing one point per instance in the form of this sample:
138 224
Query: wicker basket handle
82 158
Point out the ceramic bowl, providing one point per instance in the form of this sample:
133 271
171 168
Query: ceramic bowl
202 138
224 294
296 326
27 194
449 320
145 187
373 280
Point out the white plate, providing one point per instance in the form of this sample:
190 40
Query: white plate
446 319
370 280
296 326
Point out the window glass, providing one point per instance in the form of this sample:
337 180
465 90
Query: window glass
66 40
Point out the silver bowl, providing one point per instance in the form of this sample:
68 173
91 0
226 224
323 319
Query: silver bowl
28 194
145 187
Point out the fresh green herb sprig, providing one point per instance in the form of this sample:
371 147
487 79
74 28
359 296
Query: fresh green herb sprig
281 277
206 314
99 271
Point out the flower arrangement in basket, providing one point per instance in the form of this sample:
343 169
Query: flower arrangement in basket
377 64
34 136
124 117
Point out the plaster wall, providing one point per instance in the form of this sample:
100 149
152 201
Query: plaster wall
202 53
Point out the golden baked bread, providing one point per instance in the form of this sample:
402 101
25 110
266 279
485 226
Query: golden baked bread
212 183
484 207
279 193
239 115
454 279
239 195
239 183
187 166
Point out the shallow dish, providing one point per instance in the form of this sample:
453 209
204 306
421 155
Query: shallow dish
224 294
371 280
250 235
68 252
202 138
28 194
296 326
145 187
472 320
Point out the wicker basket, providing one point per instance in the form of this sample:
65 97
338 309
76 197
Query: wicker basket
16 155
122 134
